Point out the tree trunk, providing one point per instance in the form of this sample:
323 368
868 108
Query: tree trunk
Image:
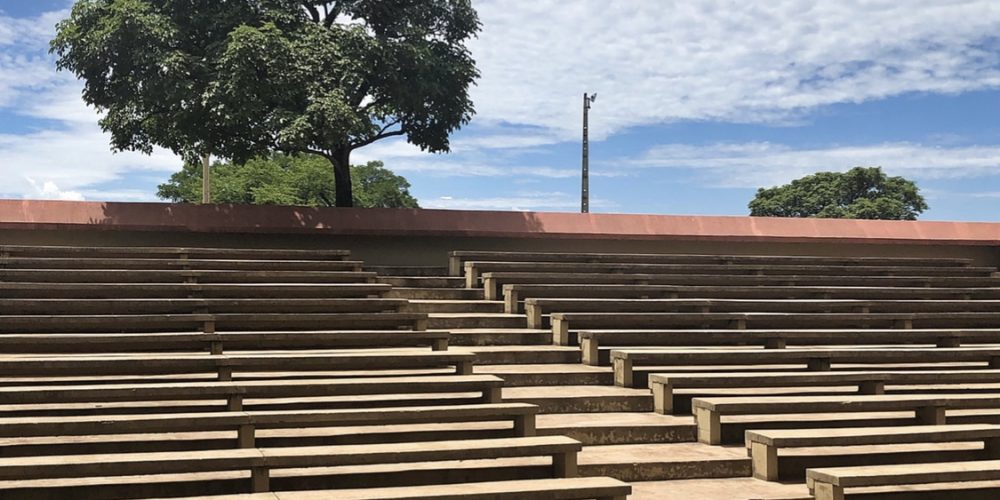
341 160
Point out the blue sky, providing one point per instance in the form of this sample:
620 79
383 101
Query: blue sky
699 103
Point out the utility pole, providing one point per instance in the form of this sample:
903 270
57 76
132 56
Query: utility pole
206 179
585 186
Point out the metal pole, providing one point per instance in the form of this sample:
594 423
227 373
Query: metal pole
206 180
585 186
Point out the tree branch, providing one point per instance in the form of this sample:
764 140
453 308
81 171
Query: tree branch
332 14
313 13
379 136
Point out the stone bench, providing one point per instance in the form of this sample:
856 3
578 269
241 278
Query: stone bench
457 259
178 264
191 290
224 365
180 276
538 309
217 343
494 281
514 296
763 445
246 423
259 461
174 252
928 409
830 483
867 382
474 269
196 305
577 488
596 344
209 323
624 360
563 324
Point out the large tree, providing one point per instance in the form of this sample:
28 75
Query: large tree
244 78
304 180
859 193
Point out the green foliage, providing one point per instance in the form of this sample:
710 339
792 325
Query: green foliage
859 193
243 78
304 180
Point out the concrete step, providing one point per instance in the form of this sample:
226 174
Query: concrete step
551 374
415 293
424 281
581 398
718 489
451 321
500 336
619 428
521 354
408 270
665 461
454 306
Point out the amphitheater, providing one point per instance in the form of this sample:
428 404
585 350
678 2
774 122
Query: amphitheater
220 352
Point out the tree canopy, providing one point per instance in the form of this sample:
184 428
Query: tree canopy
244 78
859 193
288 180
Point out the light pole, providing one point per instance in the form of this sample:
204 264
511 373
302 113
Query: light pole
585 186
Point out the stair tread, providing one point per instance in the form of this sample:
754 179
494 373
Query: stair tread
717 489
572 391
659 453
621 419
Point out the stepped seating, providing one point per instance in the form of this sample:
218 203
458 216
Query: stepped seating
578 488
7 251
764 445
815 359
190 290
830 483
514 296
29 263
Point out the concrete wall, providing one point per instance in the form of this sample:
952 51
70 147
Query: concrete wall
423 237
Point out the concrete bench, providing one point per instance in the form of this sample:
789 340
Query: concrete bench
224 365
830 483
514 296
576 488
538 309
190 290
259 461
234 393
474 269
493 281
565 323
209 323
596 344
217 343
867 382
180 276
197 305
246 423
928 409
457 259
178 264
174 252
763 445
624 360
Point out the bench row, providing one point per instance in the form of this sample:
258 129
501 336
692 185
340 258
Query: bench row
160 264
209 323
115 276
190 290
8 251
197 305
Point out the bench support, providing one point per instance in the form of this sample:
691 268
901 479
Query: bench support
827 491
439 345
524 425
949 342
560 331
464 368
260 480
245 436
490 289
765 461
510 302
775 344
623 372
534 314
564 464
591 351
818 364
992 448
225 373
874 387
493 395
234 403
709 426
663 398
931 415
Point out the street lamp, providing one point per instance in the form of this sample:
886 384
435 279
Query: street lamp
585 186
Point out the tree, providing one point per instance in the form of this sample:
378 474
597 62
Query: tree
859 193
304 180
245 78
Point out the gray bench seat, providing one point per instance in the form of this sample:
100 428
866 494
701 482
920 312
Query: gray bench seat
180 276
166 264
596 344
494 281
217 343
259 461
564 323
196 305
663 385
830 483
624 360
190 290
175 252
102 323
764 445
576 488
928 409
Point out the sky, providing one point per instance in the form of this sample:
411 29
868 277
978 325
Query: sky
699 103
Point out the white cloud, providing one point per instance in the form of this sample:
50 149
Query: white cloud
653 62
48 190
519 202
765 164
